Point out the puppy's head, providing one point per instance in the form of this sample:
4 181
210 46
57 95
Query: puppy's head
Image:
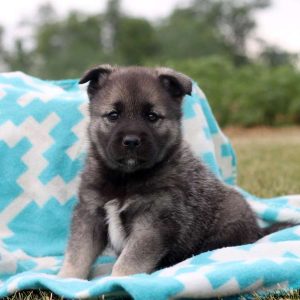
135 114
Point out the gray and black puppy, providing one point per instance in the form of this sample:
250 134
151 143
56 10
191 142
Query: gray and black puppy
142 190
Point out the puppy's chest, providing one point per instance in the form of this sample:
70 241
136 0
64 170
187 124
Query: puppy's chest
115 222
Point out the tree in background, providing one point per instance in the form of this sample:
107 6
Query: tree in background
2 50
192 32
220 27
145 46
127 40
274 56
207 40
111 26
236 22
65 48
19 58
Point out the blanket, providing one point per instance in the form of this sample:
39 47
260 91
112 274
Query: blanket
42 149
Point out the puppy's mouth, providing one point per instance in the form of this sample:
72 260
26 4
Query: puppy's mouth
131 162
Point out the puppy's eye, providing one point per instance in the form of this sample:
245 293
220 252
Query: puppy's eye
152 116
113 116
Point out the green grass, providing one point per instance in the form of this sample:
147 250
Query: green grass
268 166
268 160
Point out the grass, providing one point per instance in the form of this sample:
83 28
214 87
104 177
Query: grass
47 295
279 295
34 295
268 160
268 166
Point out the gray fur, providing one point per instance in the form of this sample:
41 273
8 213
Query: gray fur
165 203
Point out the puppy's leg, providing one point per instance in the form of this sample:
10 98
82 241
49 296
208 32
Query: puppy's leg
142 252
87 240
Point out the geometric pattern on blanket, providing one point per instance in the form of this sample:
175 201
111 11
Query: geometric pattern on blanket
42 150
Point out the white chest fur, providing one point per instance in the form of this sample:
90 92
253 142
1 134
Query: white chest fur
115 228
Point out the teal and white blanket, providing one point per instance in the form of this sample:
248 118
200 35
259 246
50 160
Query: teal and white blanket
42 146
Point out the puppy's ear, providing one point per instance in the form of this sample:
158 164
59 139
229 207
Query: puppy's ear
96 77
177 84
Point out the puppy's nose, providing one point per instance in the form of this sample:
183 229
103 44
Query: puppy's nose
131 141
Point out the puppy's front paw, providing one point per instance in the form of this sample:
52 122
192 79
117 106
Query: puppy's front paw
71 273
119 271
101 270
63 274
119 274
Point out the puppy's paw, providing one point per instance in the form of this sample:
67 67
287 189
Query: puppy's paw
120 272
101 270
69 273
63 274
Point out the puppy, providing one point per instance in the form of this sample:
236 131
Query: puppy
142 190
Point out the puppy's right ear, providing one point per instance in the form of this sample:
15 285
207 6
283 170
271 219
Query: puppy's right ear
96 78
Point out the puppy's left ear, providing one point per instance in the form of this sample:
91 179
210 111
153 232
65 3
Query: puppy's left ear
177 84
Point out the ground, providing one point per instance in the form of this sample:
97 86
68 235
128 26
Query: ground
268 160
268 166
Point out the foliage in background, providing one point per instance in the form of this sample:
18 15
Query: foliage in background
207 40
248 95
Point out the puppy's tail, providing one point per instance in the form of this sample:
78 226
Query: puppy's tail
277 227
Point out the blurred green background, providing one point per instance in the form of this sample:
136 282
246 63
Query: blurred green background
207 40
